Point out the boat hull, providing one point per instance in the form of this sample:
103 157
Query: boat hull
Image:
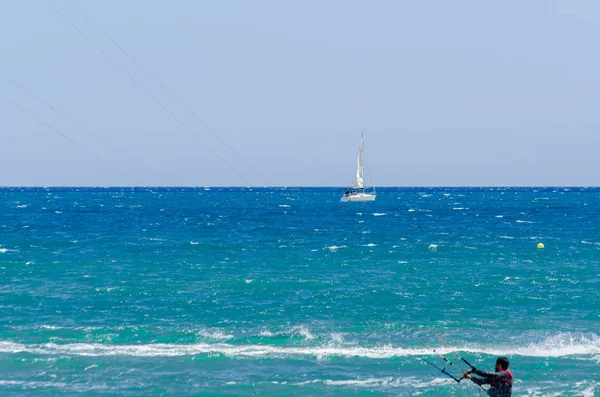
358 197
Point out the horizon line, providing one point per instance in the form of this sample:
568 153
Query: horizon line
288 186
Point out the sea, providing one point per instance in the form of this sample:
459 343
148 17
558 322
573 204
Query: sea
289 292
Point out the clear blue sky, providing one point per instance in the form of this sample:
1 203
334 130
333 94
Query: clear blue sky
447 93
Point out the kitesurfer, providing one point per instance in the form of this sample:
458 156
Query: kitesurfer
500 381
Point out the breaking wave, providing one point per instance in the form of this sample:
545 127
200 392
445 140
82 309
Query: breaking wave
214 335
560 345
380 382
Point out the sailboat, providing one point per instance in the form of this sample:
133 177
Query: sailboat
358 192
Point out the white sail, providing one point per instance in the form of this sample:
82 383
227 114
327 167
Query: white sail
360 168
358 192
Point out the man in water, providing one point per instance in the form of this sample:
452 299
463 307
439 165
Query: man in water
500 381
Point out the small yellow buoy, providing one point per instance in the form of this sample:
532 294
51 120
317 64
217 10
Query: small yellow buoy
540 245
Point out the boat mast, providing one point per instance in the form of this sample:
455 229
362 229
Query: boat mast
360 167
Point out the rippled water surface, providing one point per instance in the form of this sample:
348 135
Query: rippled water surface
290 292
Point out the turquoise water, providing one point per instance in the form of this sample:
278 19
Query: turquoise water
290 292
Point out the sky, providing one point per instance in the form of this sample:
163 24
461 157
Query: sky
446 93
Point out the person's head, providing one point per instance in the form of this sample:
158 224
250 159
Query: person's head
501 364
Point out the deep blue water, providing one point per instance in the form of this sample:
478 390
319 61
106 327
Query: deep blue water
166 291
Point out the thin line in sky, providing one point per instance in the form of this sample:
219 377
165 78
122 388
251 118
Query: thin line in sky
68 138
141 86
77 124
165 89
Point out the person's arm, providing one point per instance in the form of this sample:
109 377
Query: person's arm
491 375
479 381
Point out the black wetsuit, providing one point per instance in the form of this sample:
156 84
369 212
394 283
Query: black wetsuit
500 382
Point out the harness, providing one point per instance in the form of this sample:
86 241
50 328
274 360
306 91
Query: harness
503 383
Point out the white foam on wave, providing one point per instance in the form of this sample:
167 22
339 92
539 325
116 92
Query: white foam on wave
174 350
302 331
521 221
585 388
370 245
31 384
108 289
22 206
380 382
379 214
337 338
298 330
71 387
51 327
334 248
560 345
214 334
433 247
589 391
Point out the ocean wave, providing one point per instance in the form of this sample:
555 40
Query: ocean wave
58 384
560 345
296 331
334 248
380 382
51 327
31 384
584 389
214 335
173 350
300 330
